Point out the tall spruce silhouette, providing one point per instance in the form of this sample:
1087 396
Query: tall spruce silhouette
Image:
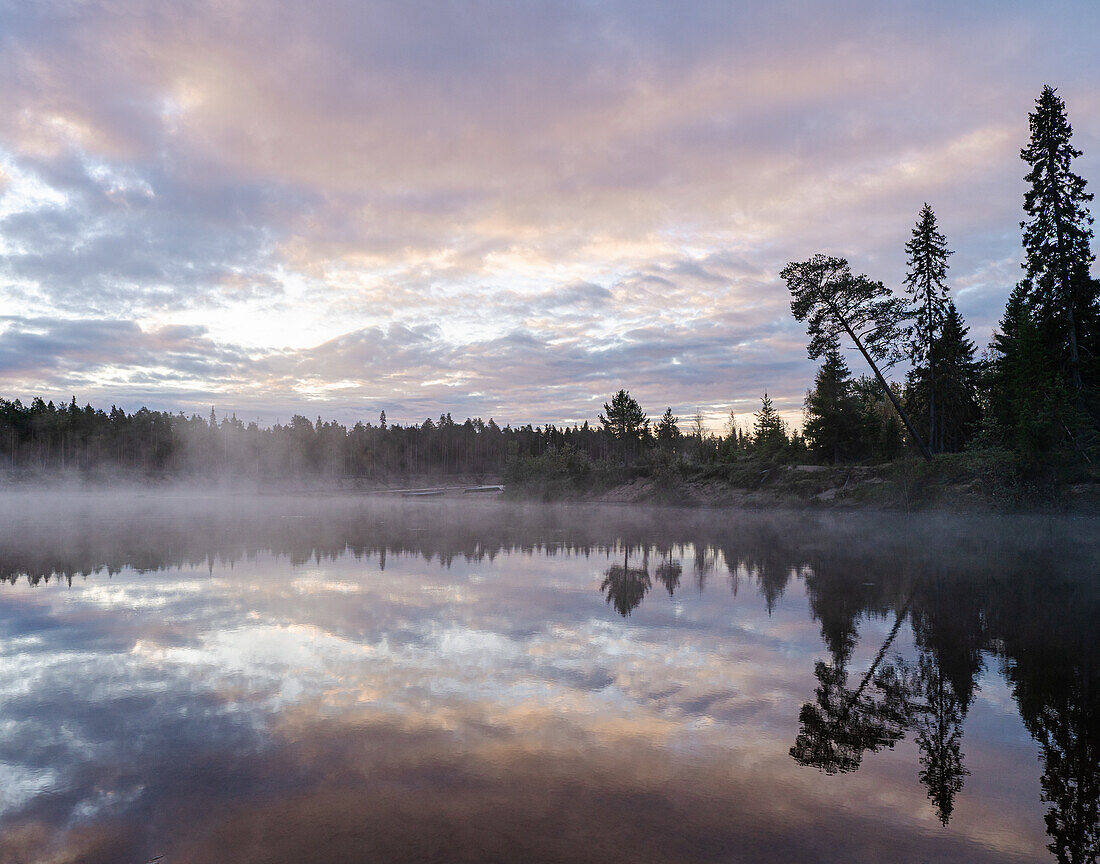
769 431
959 410
926 283
1057 234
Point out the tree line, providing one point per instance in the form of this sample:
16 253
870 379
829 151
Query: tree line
43 437
1034 392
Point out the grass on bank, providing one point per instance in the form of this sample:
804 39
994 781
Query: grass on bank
987 479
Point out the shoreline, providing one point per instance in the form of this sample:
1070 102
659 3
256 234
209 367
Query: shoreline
858 489
953 484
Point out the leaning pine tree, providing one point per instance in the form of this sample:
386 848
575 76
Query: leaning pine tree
831 301
926 283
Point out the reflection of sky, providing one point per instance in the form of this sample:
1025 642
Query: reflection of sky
111 687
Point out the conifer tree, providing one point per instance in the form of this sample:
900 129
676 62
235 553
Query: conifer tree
957 374
831 301
883 437
769 431
1029 402
1062 297
624 420
1004 350
668 429
623 417
926 283
834 420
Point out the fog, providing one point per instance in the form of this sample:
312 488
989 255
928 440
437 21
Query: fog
76 531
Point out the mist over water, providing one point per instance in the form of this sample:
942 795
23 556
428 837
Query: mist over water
232 678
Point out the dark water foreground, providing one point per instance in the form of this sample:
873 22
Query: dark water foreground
247 680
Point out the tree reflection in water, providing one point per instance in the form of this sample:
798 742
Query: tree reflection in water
938 723
624 586
841 724
1024 594
1037 616
668 573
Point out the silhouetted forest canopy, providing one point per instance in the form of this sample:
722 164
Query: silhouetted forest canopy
1033 394
1034 391
44 436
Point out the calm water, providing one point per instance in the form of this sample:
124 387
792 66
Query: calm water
246 680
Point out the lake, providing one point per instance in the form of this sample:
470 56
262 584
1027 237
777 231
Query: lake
276 679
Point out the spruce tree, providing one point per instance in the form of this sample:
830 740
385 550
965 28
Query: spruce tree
668 430
834 420
926 283
1059 291
1000 384
957 373
1029 403
769 431
883 438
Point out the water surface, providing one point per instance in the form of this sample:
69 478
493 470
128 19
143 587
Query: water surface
276 679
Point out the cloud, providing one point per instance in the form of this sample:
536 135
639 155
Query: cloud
50 354
292 177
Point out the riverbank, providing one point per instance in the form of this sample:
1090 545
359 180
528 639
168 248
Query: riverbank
970 482
981 482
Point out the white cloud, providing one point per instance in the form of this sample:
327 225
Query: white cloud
584 195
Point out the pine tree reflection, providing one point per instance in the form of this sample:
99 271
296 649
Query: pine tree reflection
626 586
841 724
938 723
668 573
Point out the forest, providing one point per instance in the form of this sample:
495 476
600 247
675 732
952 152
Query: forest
1031 396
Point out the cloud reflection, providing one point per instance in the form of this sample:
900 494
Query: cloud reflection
327 673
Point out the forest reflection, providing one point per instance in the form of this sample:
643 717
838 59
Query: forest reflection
1020 592
1035 613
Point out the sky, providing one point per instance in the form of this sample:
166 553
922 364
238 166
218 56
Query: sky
495 209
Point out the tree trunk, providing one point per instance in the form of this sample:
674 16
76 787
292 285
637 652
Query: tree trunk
931 378
881 653
1067 289
886 387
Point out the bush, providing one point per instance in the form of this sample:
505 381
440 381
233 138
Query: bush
560 472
